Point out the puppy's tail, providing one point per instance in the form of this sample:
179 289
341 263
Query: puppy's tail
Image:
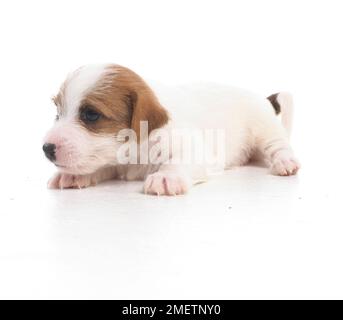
282 102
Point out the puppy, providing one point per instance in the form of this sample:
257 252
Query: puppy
111 124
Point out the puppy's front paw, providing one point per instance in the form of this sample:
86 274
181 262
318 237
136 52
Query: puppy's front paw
167 183
285 166
69 181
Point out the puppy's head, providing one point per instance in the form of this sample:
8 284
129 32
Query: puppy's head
94 103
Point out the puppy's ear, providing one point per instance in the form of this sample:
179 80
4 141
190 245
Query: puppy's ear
146 107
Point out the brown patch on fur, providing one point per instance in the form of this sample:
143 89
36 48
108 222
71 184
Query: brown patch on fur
58 100
112 102
123 99
275 103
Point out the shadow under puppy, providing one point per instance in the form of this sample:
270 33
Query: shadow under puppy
101 107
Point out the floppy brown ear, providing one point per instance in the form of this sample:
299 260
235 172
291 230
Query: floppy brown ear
146 107
141 104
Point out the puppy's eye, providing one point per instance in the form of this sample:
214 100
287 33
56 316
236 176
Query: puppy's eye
57 117
89 115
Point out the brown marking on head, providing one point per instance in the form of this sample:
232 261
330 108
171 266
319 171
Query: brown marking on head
122 99
59 98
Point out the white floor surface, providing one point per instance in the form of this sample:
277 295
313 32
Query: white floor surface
246 234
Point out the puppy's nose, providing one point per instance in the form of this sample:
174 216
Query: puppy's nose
49 150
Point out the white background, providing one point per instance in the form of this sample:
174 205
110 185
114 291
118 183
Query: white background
246 234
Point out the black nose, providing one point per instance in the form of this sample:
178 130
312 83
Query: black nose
49 150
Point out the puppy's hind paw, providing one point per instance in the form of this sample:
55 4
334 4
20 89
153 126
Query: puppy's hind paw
285 166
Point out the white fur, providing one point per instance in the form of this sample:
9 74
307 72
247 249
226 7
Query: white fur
249 122
285 99
248 119
78 83
78 151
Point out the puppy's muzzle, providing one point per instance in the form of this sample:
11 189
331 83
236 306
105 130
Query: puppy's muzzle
50 151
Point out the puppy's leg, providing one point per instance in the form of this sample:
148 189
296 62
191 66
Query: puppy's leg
272 136
69 181
169 180
274 145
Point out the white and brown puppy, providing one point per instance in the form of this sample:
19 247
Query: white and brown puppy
97 103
